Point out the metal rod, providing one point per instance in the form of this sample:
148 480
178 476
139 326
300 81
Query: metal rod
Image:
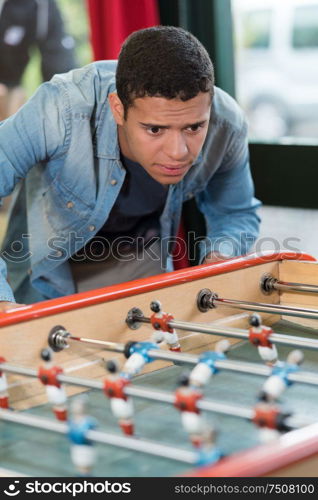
118 347
227 364
269 283
110 346
149 447
139 392
166 397
268 308
275 338
202 328
67 379
169 398
295 287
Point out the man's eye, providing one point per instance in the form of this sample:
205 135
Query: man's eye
154 130
194 128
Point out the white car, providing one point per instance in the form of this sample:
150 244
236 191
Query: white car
277 66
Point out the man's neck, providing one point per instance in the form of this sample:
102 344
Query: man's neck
123 146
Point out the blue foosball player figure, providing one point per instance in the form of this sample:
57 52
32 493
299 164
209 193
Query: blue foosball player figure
82 450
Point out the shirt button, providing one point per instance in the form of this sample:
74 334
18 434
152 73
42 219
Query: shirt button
113 182
70 204
58 253
91 228
29 272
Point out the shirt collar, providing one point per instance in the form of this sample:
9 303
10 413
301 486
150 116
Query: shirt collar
106 143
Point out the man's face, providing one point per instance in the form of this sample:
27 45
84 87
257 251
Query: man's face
164 135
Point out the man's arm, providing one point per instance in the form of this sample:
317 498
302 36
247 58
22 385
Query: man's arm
33 135
7 306
229 206
213 257
6 295
7 300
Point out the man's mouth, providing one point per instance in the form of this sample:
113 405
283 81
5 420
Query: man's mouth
173 170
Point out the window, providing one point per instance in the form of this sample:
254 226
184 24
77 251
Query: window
305 30
256 29
276 70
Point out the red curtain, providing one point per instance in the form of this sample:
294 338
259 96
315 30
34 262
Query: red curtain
111 22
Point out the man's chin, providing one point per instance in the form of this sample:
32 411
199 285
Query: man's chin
168 178
171 180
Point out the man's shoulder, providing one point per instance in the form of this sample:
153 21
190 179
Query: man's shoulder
97 76
226 111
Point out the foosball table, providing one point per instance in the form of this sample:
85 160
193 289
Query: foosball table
208 371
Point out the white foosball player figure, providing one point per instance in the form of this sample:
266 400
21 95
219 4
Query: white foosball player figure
83 453
48 375
206 368
279 380
121 405
259 336
138 355
4 395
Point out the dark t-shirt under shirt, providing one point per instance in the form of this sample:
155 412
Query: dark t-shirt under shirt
135 214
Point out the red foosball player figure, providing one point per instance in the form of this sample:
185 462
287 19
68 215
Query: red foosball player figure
121 405
186 399
163 333
259 336
4 396
270 420
48 375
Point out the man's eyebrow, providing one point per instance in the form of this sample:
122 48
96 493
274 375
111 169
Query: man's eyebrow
150 125
196 124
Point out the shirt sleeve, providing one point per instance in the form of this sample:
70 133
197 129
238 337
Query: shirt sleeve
38 131
6 293
228 203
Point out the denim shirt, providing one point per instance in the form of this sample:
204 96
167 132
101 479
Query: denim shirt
62 150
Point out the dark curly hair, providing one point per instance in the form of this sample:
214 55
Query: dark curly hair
163 61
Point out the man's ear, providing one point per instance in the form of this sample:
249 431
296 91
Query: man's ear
117 108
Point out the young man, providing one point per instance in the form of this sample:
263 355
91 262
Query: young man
106 155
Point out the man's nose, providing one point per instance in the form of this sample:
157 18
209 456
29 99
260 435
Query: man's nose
176 147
